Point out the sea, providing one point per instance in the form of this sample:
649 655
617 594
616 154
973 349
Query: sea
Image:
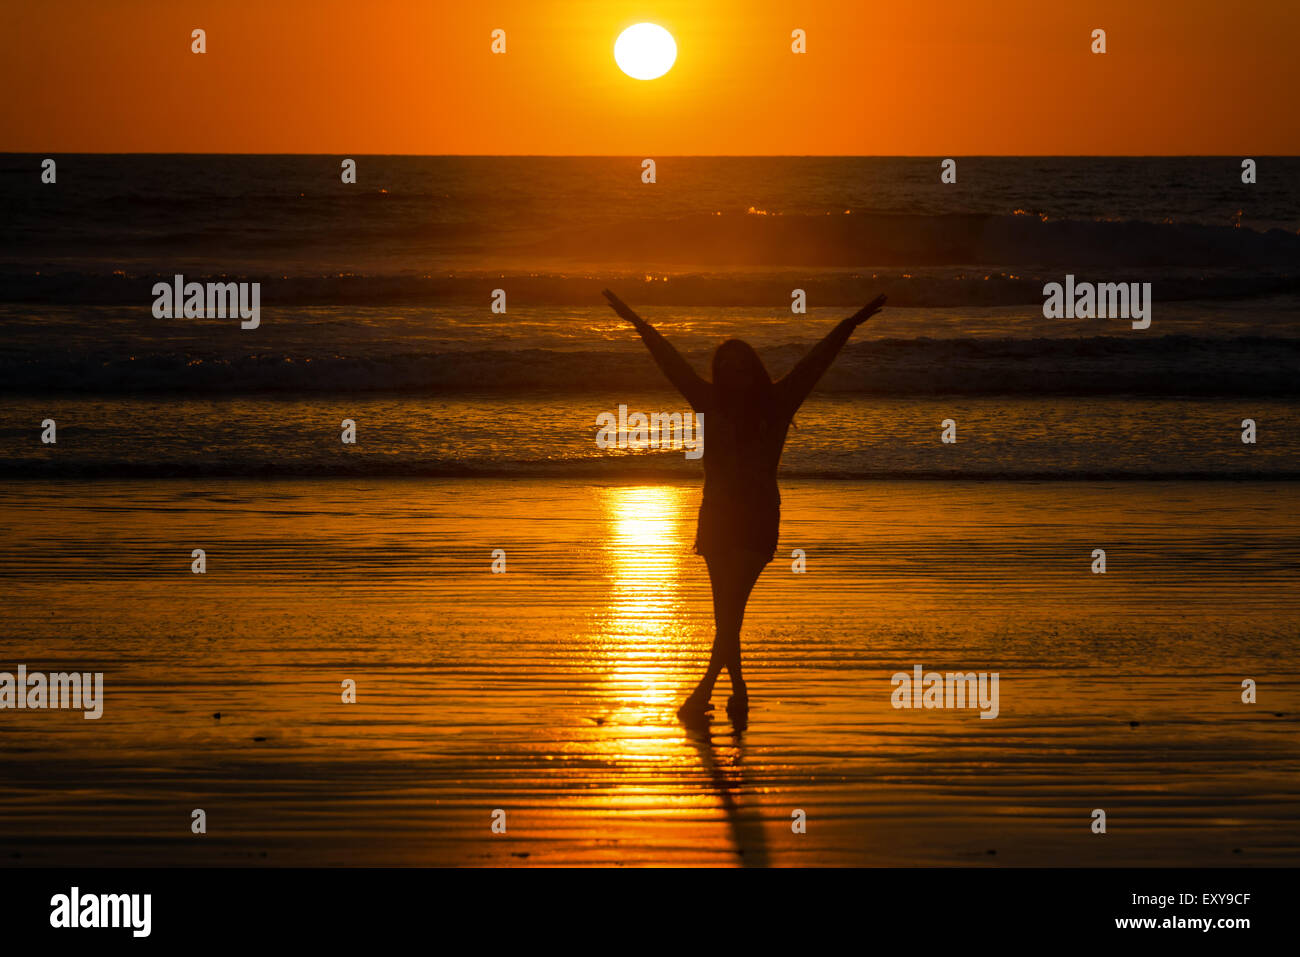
377 304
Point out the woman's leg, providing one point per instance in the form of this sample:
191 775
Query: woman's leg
732 575
741 572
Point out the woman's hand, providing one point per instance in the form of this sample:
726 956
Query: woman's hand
867 311
621 307
679 372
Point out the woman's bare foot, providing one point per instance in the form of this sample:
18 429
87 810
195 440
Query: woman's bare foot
738 703
697 705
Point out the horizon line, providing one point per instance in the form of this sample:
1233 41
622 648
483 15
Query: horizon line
666 155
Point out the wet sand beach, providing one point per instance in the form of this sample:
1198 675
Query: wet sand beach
549 691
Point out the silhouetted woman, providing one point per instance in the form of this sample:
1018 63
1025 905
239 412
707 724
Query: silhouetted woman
746 417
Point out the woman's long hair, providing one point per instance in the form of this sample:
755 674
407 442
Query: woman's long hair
742 385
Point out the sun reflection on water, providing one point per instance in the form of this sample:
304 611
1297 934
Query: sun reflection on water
646 624
647 643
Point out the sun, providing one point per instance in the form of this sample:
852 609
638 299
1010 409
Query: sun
645 51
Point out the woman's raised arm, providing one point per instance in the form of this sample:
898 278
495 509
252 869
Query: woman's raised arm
674 366
794 388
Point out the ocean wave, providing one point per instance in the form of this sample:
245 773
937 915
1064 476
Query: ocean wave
724 259
857 239
1100 365
670 469
958 286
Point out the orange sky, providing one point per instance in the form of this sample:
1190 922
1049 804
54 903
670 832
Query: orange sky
904 77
